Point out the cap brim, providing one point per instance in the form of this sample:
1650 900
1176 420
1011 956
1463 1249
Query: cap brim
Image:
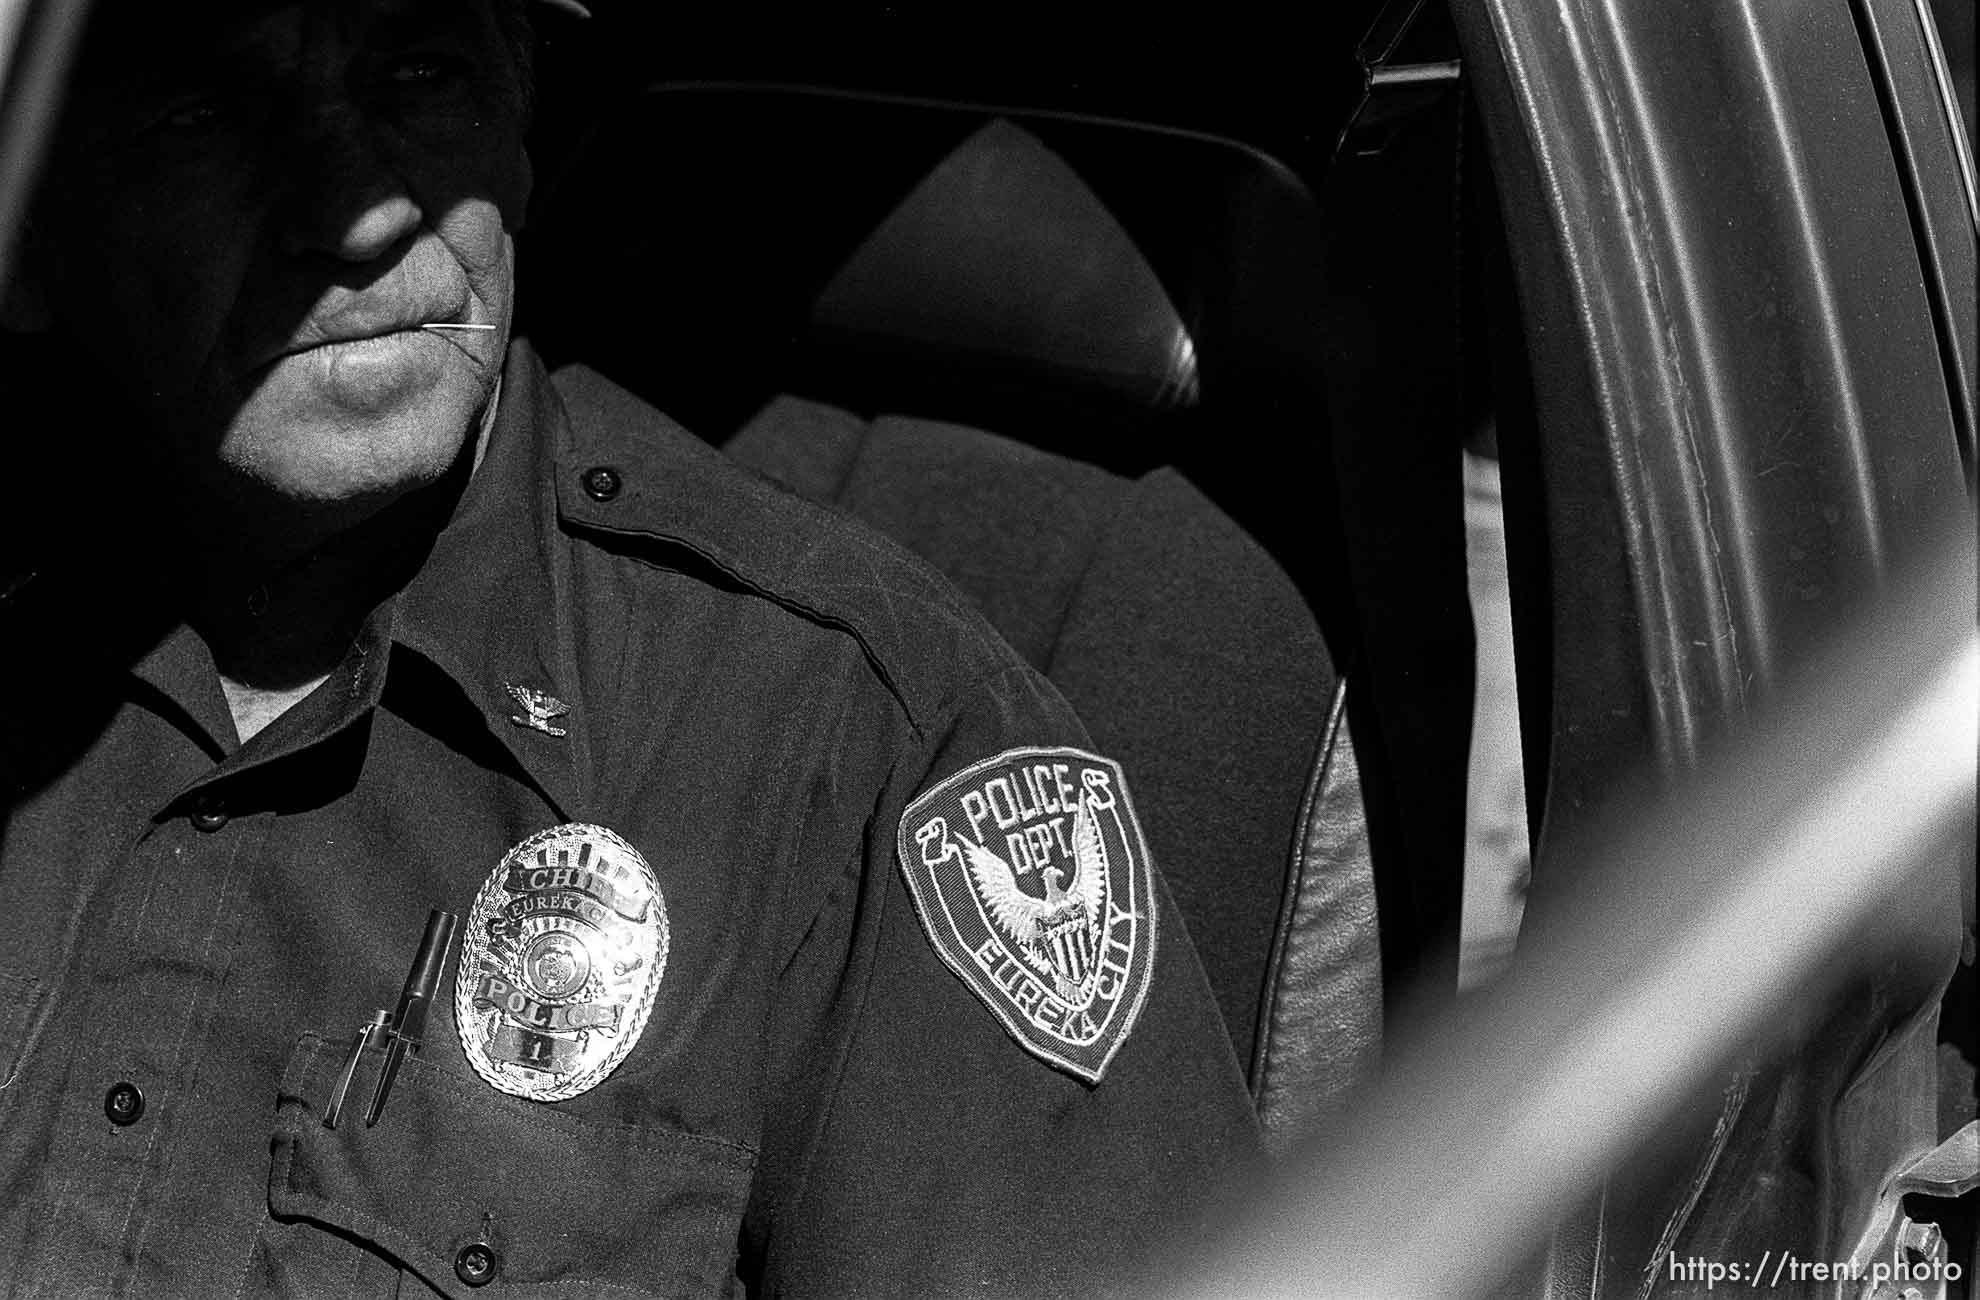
570 7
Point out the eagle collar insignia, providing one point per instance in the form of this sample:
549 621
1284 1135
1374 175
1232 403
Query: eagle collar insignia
1031 878
562 958
540 710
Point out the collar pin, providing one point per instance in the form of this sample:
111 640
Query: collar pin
538 709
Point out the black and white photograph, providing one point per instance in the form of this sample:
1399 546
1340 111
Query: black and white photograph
918 651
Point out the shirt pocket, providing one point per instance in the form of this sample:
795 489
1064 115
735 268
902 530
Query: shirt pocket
484 1195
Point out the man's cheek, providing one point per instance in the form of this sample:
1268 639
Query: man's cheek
484 157
513 184
499 179
165 251
139 318
478 241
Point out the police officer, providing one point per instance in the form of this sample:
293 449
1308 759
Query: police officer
804 946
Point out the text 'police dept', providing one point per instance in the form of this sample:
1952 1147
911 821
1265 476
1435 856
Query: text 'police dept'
1003 801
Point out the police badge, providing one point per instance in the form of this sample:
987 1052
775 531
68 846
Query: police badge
564 953
1031 878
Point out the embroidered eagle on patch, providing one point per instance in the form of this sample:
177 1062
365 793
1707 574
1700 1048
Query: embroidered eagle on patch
1030 875
1061 932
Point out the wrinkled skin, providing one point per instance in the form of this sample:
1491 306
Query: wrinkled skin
251 212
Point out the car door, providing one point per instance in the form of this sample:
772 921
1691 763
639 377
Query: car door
1743 240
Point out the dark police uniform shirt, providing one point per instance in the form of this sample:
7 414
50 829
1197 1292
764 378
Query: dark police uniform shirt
755 692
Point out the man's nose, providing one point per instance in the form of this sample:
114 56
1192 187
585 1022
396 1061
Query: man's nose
344 198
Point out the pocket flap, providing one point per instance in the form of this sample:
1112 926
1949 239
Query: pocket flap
565 1204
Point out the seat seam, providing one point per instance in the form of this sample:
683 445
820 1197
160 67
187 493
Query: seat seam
1295 890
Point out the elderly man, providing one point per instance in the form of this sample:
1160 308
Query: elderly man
804 948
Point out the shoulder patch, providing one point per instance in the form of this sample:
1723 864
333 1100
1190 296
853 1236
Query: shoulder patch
1031 878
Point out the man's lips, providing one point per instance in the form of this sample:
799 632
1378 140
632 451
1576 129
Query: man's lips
361 324
350 340
344 338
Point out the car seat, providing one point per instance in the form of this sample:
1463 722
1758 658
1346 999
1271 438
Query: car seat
858 287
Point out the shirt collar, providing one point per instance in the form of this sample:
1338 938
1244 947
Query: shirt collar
179 669
490 606
177 680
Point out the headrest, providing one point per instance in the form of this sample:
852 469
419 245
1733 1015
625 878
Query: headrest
1003 257
711 245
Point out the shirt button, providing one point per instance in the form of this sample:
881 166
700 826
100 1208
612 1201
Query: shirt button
124 1103
475 1263
601 482
208 816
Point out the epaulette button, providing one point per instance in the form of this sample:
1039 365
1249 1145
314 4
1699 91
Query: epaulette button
601 482
476 1263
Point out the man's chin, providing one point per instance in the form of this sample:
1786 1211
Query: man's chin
375 375
355 434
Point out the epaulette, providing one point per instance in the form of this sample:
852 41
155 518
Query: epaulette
630 473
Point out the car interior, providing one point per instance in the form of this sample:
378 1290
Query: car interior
1101 371
971 281
1172 363
1176 376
